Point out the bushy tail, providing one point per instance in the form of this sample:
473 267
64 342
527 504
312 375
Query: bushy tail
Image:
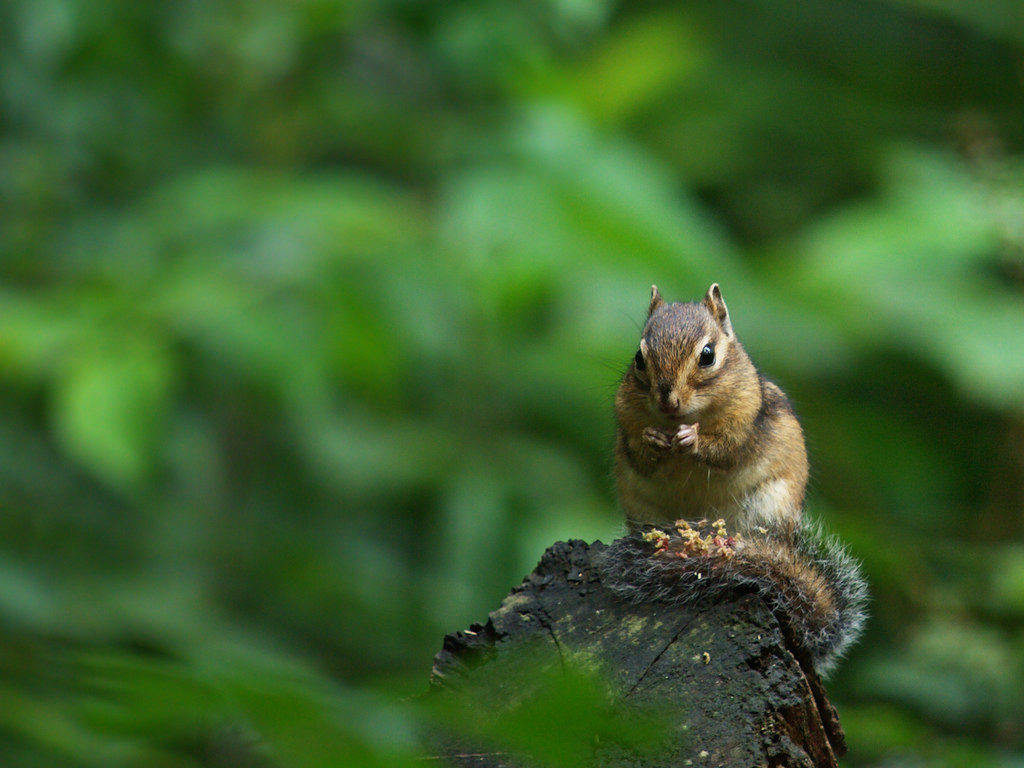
808 579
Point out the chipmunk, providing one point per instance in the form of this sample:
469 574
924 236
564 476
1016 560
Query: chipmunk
701 433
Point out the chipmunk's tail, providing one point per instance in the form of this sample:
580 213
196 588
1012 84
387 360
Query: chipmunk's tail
813 586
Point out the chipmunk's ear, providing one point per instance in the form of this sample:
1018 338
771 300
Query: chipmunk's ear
716 306
656 300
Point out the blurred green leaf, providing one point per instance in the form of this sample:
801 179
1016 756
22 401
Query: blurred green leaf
638 64
917 265
999 18
554 714
109 407
956 672
1007 575
264 710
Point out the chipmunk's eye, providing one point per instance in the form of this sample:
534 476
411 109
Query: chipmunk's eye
707 356
639 362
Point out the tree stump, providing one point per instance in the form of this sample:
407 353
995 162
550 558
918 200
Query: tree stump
735 690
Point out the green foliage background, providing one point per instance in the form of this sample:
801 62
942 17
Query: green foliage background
311 316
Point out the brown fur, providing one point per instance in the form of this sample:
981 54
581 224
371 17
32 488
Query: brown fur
744 458
807 578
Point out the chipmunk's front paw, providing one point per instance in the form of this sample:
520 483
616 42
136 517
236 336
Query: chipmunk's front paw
657 438
685 438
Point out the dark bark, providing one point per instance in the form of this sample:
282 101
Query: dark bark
736 687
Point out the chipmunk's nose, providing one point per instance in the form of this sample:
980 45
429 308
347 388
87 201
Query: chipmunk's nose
667 400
